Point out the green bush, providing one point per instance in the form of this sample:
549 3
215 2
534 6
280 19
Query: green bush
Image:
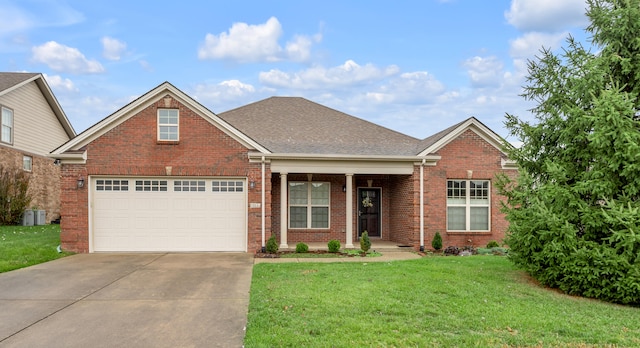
436 243
492 244
272 245
14 198
334 246
302 248
365 242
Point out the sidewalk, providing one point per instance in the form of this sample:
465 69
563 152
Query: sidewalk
386 257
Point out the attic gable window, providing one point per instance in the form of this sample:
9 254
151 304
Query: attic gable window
168 125
6 122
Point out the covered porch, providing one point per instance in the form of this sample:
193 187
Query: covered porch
318 199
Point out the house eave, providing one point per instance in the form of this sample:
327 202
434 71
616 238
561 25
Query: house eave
256 156
75 157
343 164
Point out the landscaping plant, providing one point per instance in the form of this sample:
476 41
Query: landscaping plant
574 209
302 248
365 242
14 198
272 245
333 246
436 243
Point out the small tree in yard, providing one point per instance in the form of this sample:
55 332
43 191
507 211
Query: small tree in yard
14 198
436 243
365 242
574 210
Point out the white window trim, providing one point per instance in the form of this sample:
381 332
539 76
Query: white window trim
13 121
467 205
24 158
167 125
309 207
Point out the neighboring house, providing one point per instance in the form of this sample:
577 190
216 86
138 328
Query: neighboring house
33 124
164 173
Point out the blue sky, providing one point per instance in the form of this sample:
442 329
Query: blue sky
416 67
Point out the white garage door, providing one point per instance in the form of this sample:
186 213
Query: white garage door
158 214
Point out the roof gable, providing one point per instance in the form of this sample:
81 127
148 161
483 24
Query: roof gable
74 146
297 125
439 140
11 81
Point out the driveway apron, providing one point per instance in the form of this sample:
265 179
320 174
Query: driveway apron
128 300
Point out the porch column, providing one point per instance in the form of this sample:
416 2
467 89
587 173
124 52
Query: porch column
284 210
422 205
349 204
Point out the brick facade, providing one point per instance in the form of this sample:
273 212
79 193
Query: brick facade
132 149
468 156
44 180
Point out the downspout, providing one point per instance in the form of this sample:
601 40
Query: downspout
262 217
422 205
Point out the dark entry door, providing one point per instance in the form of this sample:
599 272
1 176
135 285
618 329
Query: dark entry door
369 211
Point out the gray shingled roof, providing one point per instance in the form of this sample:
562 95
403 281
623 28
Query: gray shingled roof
10 79
297 125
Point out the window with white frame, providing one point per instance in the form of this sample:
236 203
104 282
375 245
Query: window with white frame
468 203
309 204
6 122
168 129
27 163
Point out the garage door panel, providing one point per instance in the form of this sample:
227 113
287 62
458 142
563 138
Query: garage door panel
169 220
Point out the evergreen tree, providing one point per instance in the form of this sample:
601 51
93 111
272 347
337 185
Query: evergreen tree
574 209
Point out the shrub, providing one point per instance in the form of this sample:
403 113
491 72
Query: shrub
14 198
365 242
334 246
492 244
302 248
272 245
436 243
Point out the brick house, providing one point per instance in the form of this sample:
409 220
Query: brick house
164 173
33 124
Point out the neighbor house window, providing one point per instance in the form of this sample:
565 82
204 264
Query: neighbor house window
468 205
27 163
168 125
6 120
309 204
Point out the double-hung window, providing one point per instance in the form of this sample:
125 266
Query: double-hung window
309 204
468 203
6 122
168 129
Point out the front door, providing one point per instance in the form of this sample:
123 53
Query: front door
369 211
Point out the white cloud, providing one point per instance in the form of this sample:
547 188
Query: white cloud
484 72
65 59
530 44
112 48
546 15
223 92
59 83
412 87
256 43
346 75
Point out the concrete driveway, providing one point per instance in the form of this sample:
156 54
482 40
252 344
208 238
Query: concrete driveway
128 300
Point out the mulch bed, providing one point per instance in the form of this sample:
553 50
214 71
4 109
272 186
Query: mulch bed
279 253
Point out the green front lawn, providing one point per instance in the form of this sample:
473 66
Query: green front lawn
22 246
477 301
